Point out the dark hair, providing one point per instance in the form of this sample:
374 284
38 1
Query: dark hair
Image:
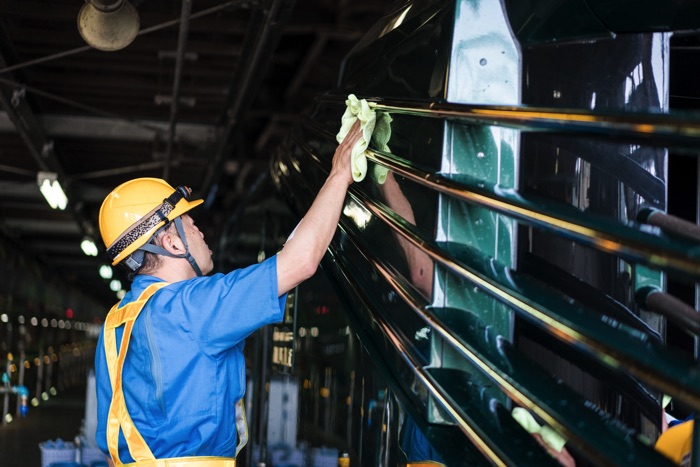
151 261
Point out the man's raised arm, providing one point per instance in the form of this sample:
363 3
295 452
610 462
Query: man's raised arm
303 252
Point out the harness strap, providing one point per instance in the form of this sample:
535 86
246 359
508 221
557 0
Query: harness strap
241 426
187 462
118 414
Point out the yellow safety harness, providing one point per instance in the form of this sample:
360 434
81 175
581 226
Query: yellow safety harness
119 418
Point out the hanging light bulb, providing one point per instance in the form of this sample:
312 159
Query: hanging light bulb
106 272
108 24
88 247
115 285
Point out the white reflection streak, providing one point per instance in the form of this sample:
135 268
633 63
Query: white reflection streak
358 213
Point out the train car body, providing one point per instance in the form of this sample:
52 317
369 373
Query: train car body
509 247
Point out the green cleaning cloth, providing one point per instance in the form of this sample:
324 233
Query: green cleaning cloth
375 128
553 439
666 400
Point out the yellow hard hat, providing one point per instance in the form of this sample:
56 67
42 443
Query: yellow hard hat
135 210
676 443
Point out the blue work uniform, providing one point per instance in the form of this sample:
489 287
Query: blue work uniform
184 371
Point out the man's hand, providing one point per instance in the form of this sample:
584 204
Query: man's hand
563 456
343 153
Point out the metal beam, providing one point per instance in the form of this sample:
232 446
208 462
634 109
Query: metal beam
55 126
39 226
179 64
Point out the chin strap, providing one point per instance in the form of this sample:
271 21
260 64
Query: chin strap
135 261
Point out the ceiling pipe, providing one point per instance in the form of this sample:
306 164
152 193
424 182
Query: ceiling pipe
179 65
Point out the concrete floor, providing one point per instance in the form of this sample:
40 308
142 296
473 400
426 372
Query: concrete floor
59 417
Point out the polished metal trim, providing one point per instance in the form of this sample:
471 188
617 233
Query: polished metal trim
588 425
613 354
678 128
612 237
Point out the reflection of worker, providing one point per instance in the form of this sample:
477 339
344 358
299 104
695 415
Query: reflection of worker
551 440
561 455
414 444
170 369
415 447
419 263
676 440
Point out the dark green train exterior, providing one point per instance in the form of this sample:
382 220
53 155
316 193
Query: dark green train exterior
527 247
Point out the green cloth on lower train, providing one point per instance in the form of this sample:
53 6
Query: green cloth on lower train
665 401
549 436
374 126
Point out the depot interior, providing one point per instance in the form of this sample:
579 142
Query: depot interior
202 95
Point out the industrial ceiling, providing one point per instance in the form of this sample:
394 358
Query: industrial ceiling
201 97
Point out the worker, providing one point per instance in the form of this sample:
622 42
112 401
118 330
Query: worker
170 370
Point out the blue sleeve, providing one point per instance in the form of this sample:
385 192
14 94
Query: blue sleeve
222 310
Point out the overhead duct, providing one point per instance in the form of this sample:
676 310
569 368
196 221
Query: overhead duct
108 24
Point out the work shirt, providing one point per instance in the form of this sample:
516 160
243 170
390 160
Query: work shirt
185 369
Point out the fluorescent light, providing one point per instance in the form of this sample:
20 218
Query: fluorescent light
88 247
51 189
105 271
115 285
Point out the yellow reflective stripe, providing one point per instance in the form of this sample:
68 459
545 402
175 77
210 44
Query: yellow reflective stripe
118 416
113 422
118 413
118 316
207 461
115 364
110 340
241 426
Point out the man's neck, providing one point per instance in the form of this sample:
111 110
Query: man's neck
174 270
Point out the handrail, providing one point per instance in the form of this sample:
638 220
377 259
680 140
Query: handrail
627 243
619 349
669 223
664 128
676 310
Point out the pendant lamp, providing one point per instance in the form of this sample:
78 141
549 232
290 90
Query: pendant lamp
108 24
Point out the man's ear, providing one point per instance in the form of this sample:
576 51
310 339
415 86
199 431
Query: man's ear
173 243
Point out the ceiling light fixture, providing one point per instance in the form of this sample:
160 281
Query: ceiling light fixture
108 24
51 189
88 247
106 272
